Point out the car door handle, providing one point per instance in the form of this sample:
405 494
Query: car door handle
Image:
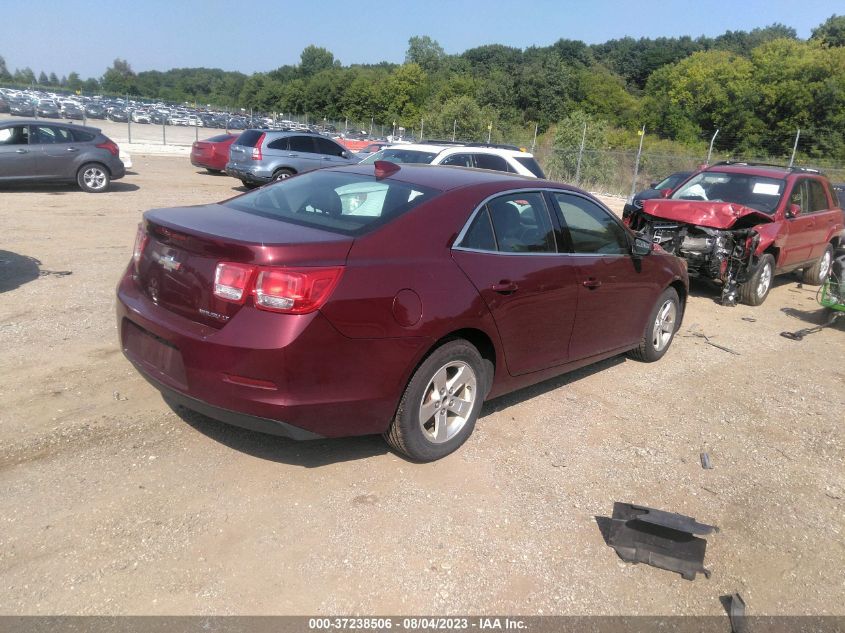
327 157
592 284
20 151
504 287
72 149
293 155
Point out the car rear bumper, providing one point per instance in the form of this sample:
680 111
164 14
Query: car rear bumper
291 375
249 174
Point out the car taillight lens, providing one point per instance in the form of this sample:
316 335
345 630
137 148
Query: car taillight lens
111 146
256 151
141 238
231 281
295 291
287 290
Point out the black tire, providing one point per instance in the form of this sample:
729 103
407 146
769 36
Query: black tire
213 171
660 328
818 272
93 178
755 290
432 438
282 174
250 185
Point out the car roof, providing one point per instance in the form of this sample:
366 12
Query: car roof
17 121
459 148
446 178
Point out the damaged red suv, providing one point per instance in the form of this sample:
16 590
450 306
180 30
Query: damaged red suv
740 224
387 299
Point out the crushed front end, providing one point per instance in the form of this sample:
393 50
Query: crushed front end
725 256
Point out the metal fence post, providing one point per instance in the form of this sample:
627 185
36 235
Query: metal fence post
710 151
795 146
422 127
534 141
454 129
164 133
637 163
580 154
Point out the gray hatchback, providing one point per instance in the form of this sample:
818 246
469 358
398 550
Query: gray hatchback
54 152
260 156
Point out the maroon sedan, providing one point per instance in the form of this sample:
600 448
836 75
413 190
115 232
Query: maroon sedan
212 153
379 299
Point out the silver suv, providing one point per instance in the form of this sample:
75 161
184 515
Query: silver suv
260 156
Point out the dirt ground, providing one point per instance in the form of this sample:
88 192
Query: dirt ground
111 503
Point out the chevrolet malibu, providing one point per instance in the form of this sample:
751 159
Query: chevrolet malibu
387 299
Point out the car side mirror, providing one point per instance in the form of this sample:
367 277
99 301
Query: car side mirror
794 211
665 193
652 185
345 154
640 247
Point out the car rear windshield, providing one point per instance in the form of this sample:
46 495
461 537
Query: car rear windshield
531 165
399 155
352 204
248 138
756 192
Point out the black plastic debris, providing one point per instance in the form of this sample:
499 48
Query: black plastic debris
736 613
657 538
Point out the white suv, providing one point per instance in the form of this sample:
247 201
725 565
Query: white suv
508 158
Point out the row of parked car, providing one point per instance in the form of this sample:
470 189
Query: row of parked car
393 294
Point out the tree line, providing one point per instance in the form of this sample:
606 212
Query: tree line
756 87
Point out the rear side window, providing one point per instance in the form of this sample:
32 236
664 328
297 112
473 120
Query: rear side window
352 204
248 138
82 137
479 236
521 223
301 144
818 198
459 160
279 143
591 229
398 155
490 161
15 135
531 165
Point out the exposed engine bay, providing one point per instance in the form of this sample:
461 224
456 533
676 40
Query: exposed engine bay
721 255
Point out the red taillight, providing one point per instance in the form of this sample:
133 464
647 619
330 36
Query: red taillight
287 290
141 238
111 146
295 291
231 281
256 151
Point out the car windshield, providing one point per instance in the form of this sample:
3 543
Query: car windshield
399 155
346 203
670 182
757 192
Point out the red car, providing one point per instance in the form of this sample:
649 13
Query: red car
740 224
212 153
386 299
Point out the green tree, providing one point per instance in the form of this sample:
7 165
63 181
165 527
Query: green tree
596 165
425 52
119 78
314 59
24 76
43 80
74 82
831 32
54 80
4 71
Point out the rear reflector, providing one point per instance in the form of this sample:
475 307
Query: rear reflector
231 281
295 291
249 382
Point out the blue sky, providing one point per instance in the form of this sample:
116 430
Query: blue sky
85 36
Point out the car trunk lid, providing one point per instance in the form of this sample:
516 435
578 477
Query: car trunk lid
177 264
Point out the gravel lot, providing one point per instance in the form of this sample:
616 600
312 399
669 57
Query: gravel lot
111 503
